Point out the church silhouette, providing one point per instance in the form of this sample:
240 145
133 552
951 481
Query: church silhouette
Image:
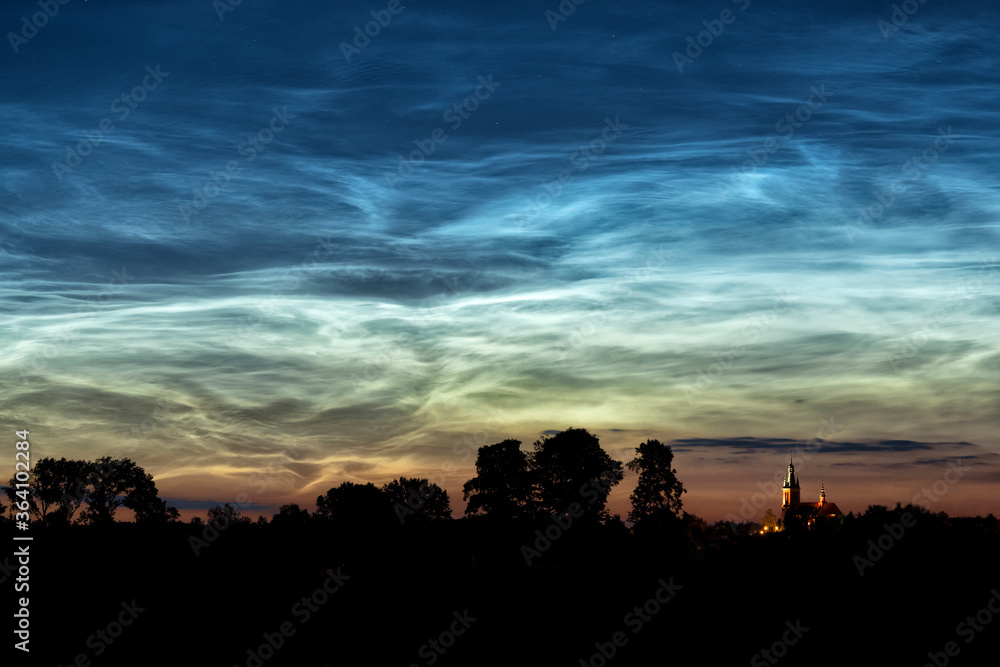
811 512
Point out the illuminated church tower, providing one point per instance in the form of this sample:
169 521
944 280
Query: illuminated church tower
808 512
790 489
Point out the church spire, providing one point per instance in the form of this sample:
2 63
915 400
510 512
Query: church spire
790 481
790 489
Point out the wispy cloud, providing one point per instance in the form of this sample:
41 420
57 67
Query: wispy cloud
437 300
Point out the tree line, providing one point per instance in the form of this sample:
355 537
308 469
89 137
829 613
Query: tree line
566 472
570 471
58 488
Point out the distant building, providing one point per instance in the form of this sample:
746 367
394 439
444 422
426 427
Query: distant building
790 500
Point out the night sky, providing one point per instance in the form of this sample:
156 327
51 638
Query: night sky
262 253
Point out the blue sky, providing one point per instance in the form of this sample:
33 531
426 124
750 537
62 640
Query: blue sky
259 259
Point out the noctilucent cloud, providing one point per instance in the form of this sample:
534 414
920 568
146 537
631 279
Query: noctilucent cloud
265 247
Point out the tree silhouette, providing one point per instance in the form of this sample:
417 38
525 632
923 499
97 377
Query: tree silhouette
120 482
770 522
502 486
876 513
56 489
66 477
227 515
797 519
570 467
417 499
657 495
355 504
143 498
149 509
291 516
105 492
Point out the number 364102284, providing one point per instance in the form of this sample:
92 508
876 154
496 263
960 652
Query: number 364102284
21 468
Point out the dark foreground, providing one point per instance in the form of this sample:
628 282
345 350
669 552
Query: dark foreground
460 593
